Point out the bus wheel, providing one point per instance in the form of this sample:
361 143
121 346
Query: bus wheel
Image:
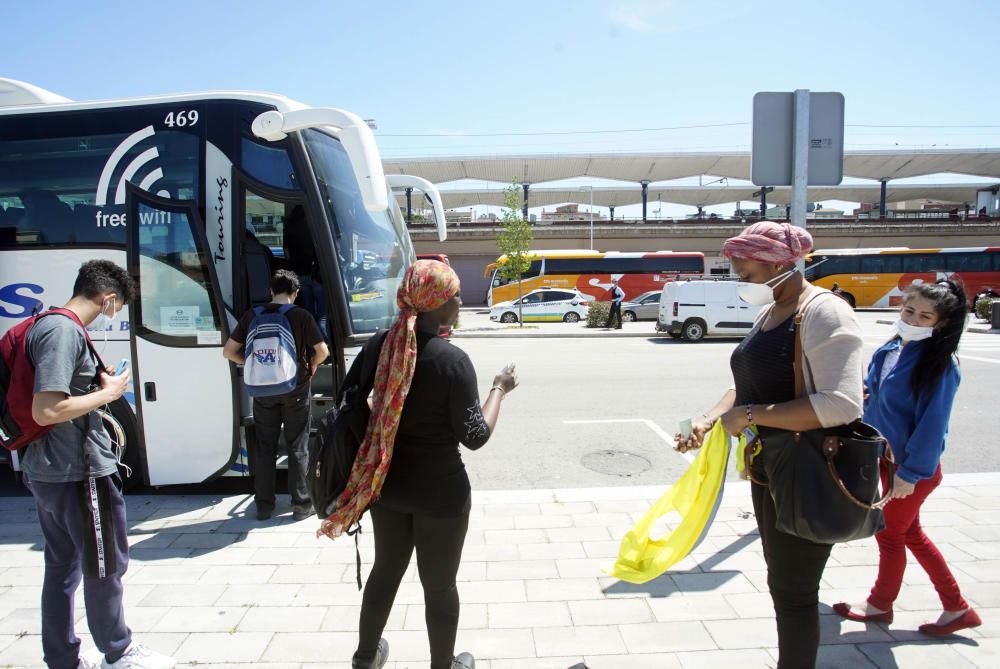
850 300
121 425
694 329
571 317
509 317
628 316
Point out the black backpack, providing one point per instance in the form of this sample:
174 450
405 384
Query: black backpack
341 431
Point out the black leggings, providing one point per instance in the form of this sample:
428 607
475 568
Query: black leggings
439 544
794 568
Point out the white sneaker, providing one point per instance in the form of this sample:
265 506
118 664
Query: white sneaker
140 657
90 659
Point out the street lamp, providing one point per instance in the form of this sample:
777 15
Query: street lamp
591 189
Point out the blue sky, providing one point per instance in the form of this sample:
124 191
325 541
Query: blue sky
444 72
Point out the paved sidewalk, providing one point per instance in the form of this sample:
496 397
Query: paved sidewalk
218 589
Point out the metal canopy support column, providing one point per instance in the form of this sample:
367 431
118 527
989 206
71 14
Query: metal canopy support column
524 208
645 193
800 161
409 205
612 213
764 190
881 198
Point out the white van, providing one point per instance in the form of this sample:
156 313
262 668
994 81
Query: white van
696 309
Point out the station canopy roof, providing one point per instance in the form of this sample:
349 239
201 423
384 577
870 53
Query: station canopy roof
616 196
653 167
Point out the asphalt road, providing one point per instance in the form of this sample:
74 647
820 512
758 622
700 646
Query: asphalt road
597 412
594 412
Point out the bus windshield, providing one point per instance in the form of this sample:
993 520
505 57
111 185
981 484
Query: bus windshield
373 248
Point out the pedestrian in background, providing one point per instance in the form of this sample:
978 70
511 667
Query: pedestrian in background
617 295
424 403
912 381
764 256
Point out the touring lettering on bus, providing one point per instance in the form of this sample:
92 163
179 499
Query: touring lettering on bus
220 217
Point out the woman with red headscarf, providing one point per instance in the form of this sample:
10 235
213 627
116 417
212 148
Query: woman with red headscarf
764 256
408 469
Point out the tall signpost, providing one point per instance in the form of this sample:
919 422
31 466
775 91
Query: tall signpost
798 141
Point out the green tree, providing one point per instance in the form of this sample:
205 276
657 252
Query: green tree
514 241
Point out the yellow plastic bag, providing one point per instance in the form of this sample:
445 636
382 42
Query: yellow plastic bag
695 497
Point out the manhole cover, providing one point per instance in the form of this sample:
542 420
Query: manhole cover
616 463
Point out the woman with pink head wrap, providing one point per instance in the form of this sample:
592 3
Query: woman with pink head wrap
769 242
408 471
763 396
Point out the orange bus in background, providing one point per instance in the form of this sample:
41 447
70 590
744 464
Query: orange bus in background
591 272
878 277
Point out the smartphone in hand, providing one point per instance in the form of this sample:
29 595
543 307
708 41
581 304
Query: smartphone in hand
122 366
685 429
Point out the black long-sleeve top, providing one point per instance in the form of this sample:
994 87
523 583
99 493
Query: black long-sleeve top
441 410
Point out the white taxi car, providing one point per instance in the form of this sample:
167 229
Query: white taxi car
544 304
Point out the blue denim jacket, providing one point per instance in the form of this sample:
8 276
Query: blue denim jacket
915 427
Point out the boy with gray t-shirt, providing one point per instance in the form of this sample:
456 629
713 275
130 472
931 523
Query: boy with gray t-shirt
72 472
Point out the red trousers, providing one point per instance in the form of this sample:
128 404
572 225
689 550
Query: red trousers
902 531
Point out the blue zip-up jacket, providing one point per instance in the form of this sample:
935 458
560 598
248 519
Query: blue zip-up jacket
916 430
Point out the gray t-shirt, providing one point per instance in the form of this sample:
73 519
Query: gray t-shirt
76 449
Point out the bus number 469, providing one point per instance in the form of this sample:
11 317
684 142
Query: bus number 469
181 118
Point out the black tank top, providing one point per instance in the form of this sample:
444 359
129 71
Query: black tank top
763 365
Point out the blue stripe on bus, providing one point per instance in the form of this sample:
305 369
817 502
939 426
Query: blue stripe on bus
239 467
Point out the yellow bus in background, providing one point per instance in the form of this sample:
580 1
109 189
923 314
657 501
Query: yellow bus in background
591 272
879 277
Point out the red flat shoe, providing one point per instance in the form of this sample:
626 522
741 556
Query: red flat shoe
968 619
844 610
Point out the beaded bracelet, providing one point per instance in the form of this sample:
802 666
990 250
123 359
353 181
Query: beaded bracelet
749 414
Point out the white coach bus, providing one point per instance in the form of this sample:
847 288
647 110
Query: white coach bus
201 196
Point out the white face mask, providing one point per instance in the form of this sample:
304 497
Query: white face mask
909 332
103 321
762 293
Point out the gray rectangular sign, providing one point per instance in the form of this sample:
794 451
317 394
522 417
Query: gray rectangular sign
774 132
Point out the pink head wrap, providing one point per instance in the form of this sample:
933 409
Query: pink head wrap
769 242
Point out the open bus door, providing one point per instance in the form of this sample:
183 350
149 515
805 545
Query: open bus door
252 277
185 390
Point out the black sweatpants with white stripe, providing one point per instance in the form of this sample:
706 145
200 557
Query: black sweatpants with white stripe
85 538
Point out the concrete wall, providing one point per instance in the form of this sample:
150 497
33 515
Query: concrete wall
470 271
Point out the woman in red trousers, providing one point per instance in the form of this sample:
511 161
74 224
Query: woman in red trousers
912 381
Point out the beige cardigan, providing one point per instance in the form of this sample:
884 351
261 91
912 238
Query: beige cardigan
833 351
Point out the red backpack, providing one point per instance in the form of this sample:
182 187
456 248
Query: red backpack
17 382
